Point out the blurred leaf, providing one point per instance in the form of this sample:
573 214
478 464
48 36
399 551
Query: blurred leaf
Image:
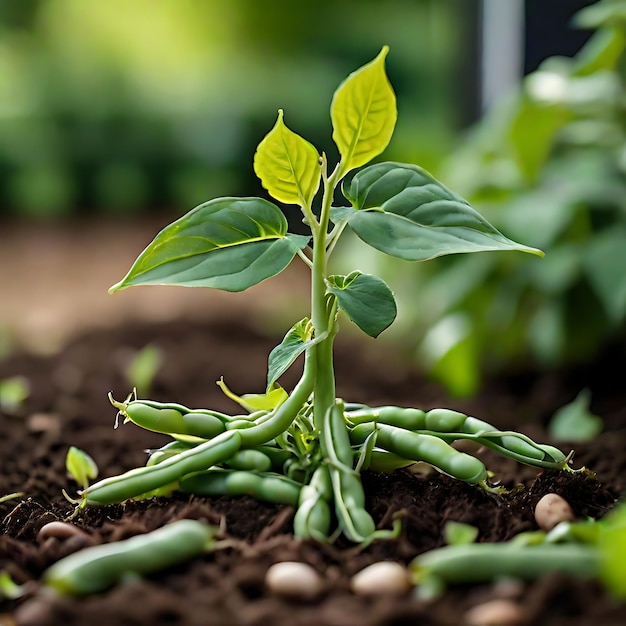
363 113
448 350
288 165
458 534
366 299
601 52
13 393
601 13
604 263
612 544
143 367
532 134
403 211
226 243
574 422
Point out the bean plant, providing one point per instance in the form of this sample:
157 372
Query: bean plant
308 448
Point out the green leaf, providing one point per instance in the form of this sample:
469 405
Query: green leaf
602 52
252 402
532 132
80 466
403 211
226 243
574 421
459 534
288 165
363 114
366 299
295 342
142 369
604 260
13 393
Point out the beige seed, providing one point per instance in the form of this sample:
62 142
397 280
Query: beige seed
382 578
551 510
495 613
293 579
59 530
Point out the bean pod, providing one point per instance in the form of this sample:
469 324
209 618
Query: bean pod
421 447
98 568
263 486
145 479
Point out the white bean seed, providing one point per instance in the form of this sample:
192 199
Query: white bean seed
382 578
551 510
294 579
495 613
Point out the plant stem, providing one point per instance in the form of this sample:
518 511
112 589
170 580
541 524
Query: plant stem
323 321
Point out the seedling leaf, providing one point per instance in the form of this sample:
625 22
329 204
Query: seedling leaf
226 243
80 466
366 299
403 211
13 392
288 165
574 421
294 343
252 402
363 114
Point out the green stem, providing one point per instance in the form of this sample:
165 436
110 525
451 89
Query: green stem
324 391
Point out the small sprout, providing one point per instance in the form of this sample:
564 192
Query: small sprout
10 590
11 496
294 579
382 578
551 510
143 367
13 393
457 533
80 466
574 421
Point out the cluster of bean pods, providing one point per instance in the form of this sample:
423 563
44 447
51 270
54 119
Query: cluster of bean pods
279 456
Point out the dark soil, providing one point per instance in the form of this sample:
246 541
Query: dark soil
68 406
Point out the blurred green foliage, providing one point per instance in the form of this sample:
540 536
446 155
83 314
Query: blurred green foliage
121 105
547 167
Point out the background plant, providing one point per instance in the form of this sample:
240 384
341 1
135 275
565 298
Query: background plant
547 166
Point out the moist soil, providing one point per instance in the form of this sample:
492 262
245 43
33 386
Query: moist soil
68 406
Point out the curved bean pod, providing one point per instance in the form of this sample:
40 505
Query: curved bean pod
483 562
312 519
354 520
95 569
421 447
145 479
268 487
403 417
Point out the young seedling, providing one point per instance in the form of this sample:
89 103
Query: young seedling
316 442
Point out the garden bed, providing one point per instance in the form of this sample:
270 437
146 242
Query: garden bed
68 406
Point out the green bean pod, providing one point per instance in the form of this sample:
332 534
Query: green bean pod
484 562
457 425
98 568
169 420
249 460
427 448
145 479
263 486
167 451
312 519
409 418
356 523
